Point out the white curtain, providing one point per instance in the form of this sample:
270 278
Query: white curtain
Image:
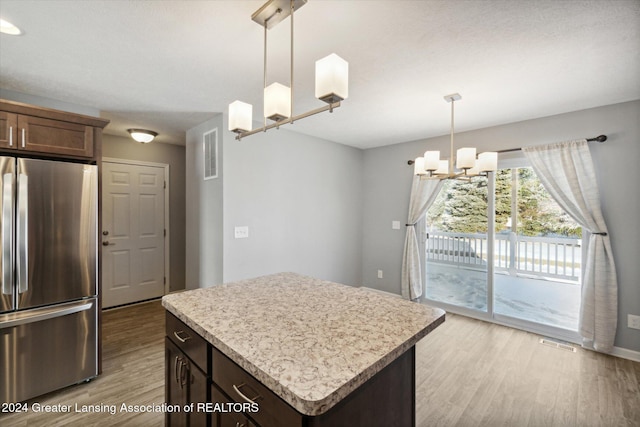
423 193
567 173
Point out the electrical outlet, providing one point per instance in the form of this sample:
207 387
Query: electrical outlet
379 274
633 321
241 232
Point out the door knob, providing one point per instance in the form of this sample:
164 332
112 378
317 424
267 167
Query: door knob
105 233
106 243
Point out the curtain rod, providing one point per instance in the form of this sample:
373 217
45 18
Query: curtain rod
599 138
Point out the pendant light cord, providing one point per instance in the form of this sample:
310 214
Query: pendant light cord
292 10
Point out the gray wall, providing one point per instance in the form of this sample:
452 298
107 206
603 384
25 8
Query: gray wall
204 214
173 155
301 198
387 179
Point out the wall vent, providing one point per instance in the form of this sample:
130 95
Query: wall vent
557 344
210 153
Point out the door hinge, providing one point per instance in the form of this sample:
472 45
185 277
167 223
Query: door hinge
165 184
165 232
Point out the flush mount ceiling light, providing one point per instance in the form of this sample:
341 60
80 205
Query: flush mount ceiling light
7 27
332 74
142 135
466 165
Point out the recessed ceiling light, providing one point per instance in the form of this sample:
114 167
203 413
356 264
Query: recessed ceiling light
7 27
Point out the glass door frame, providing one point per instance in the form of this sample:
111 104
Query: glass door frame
489 315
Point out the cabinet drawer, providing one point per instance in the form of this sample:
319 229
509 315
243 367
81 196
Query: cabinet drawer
236 382
191 344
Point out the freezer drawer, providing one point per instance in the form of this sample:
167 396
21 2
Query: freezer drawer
46 349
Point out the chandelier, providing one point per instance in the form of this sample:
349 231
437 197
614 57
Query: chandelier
466 164
331 85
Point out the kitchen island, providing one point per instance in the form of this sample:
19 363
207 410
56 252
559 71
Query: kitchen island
293 350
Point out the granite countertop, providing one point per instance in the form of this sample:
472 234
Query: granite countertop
310 341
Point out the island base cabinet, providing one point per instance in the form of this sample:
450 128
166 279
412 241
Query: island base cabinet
387 399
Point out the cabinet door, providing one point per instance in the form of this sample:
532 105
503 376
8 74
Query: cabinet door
8 130
198 386
55 137
175 384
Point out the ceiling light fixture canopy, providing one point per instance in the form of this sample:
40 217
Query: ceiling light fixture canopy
142 135
332 74
467 165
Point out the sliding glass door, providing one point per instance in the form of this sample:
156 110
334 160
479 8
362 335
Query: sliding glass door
537 253
456 245
500 248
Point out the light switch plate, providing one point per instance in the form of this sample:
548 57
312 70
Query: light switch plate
395 225
241 232
633 321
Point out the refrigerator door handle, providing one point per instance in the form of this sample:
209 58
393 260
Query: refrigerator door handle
23 233
7 233
37 315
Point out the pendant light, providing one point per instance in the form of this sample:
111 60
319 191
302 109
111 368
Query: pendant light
331 86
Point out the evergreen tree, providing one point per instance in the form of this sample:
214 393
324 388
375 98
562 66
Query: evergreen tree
461 207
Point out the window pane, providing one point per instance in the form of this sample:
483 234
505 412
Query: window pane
456 246
537 255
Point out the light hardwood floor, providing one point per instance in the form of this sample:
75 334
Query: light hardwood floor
469 373
474 373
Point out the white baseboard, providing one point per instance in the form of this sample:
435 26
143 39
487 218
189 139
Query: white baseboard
366 288
625 353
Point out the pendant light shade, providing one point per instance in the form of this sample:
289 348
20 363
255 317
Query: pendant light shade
277 102
240 117
332 79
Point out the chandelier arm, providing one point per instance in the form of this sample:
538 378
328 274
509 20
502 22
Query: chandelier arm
328 107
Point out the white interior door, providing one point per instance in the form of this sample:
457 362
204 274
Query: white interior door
133 233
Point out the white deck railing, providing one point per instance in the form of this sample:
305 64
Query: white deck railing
559 258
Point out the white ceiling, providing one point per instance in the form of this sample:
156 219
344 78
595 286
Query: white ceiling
170 65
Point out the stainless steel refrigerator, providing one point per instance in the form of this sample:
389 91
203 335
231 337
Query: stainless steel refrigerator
48 268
